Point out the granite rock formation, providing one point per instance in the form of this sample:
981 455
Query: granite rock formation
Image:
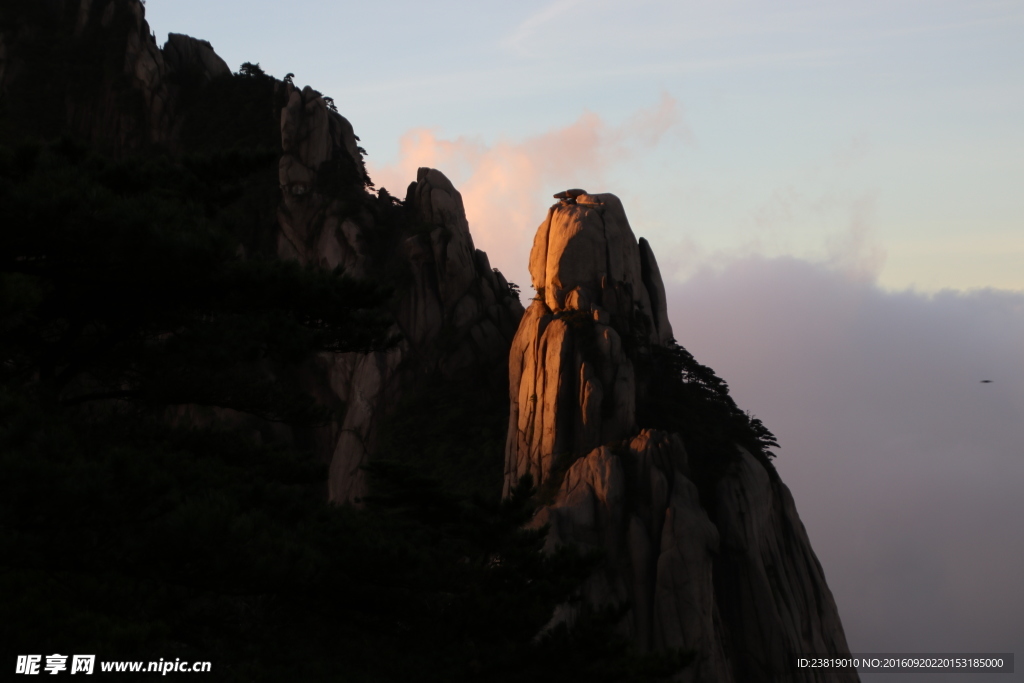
590 274
727 572
449 291
184 54
456 317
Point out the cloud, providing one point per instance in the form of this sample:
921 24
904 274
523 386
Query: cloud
507 186
854 252
516 40
907 470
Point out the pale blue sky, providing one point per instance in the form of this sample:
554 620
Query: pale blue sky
889 133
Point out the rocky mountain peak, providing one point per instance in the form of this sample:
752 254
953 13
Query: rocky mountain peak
187 54
573 382
585 257
701 537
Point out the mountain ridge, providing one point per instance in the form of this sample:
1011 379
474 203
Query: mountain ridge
700 535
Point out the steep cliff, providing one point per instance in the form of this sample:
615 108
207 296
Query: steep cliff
640 453
455 314
91 69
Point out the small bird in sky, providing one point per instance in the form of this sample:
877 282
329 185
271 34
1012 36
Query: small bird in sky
986 381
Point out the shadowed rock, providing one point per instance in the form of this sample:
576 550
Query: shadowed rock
185 54
123 97
456 316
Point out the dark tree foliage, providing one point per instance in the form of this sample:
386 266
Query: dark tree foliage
513 289
250 70
240 111
455 431
488 591
120 281
680 394
138 541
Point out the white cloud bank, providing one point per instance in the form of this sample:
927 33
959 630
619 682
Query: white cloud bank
907 470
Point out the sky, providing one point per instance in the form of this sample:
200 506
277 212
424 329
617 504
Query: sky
834 191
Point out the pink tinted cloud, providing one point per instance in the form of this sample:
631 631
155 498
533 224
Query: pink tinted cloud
507 186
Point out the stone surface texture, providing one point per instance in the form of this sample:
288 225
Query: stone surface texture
456 317
734 578
454 313
572 382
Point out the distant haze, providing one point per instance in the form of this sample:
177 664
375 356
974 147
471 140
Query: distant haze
907 470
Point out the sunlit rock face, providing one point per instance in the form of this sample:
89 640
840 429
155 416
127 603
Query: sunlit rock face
585 257
572 382
728 572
